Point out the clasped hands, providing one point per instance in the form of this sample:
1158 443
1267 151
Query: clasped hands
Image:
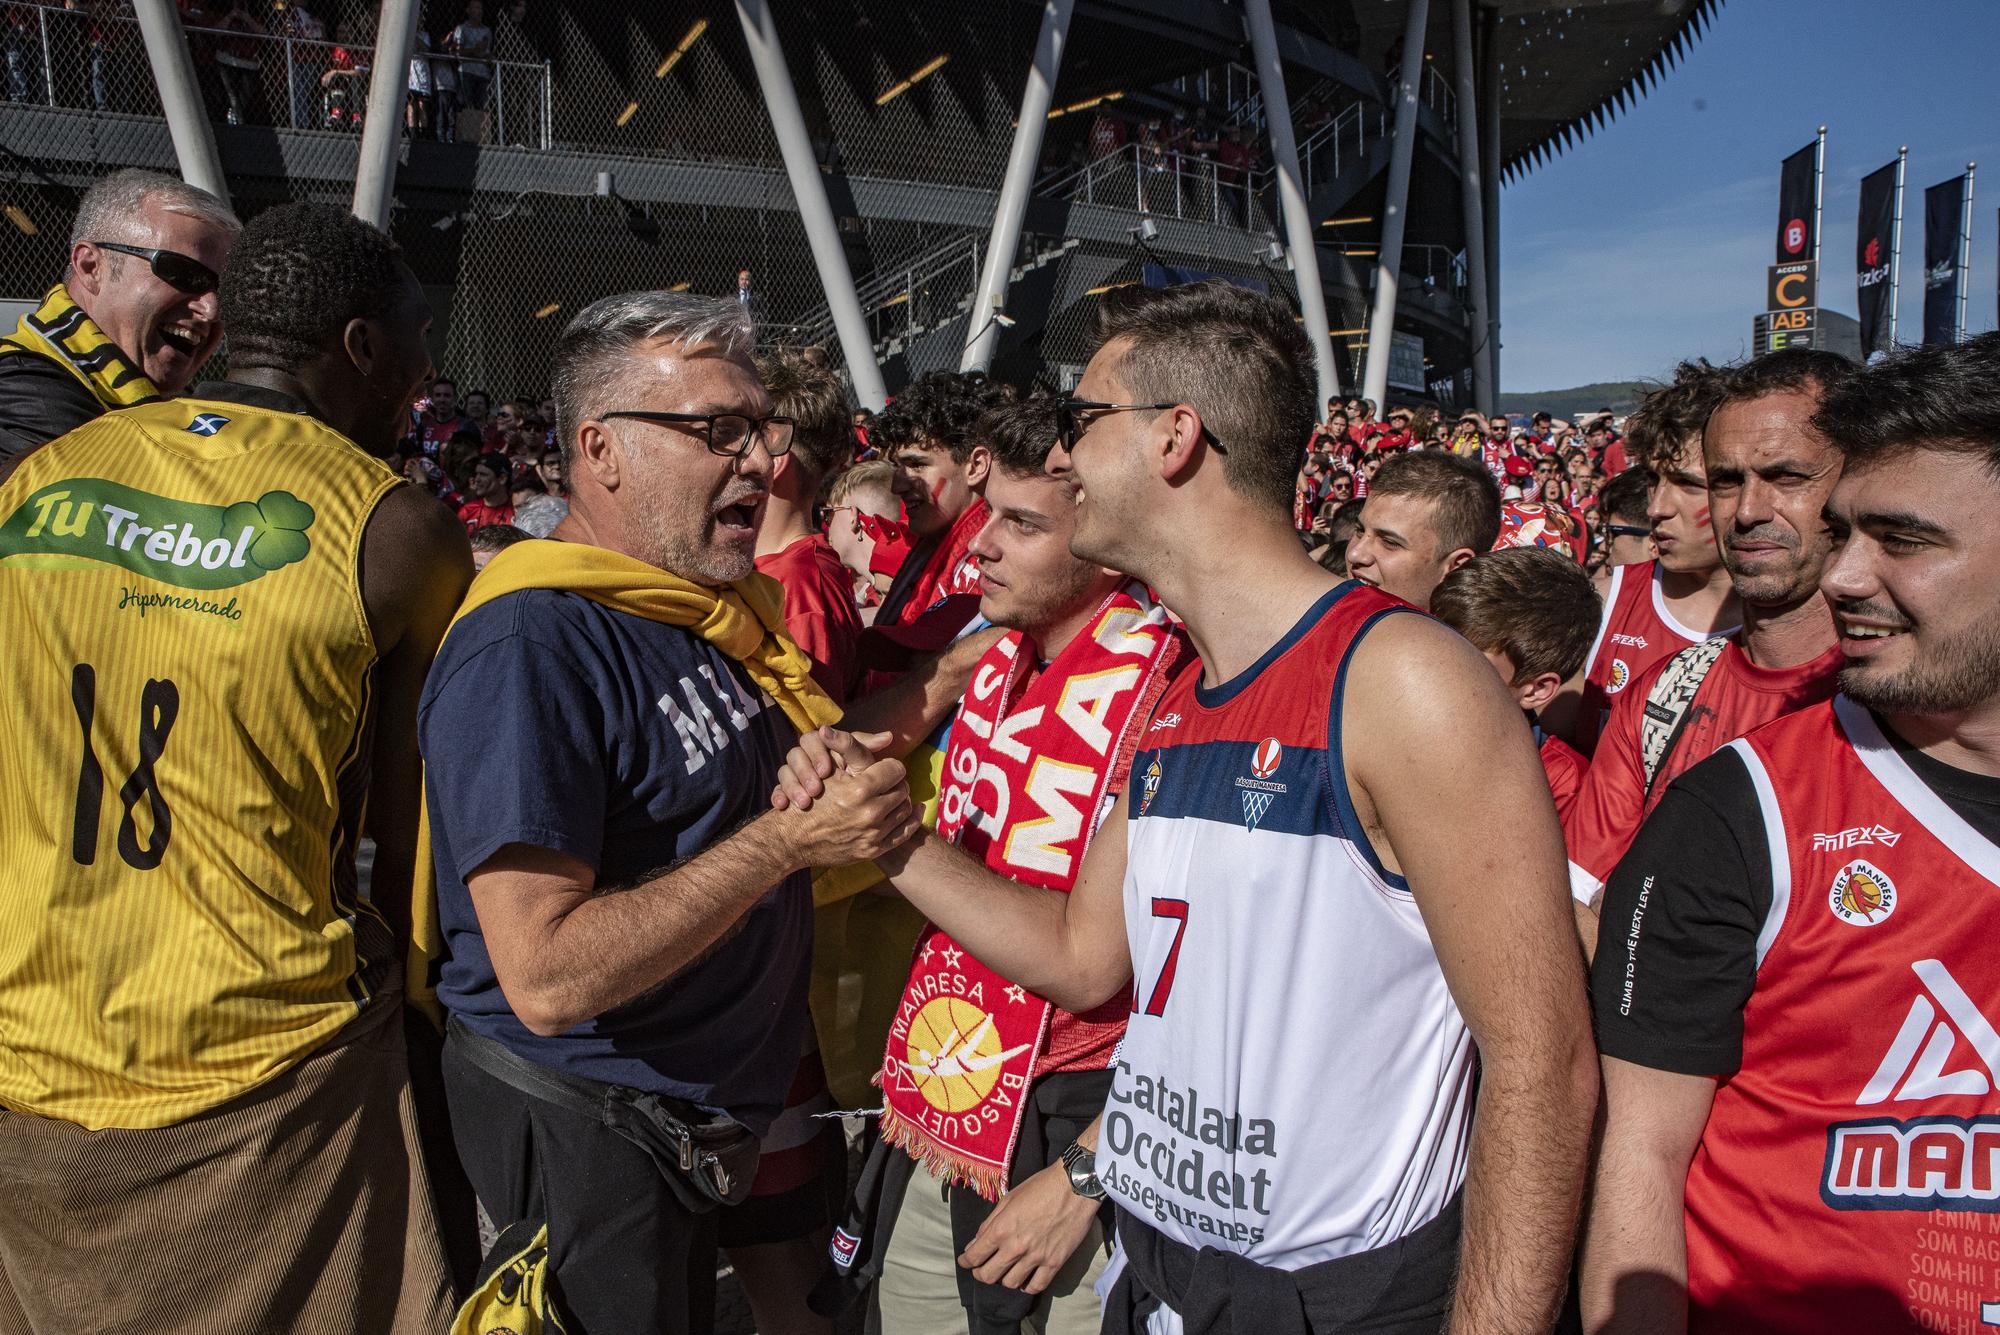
850 803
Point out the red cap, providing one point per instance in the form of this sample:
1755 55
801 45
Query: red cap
1519 467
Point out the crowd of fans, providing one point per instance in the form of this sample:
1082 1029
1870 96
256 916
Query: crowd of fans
1367 873
301 63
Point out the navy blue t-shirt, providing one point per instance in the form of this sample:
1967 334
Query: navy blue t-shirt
557 722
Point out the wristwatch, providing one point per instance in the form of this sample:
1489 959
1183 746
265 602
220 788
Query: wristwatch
1081 1165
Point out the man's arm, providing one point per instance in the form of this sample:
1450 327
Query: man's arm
1675 966
911 709
1069 949
415 566
1035 1228
1418 718
565 951
1633 1273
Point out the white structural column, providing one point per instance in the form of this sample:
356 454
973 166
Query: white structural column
187 119
1395 210
1472 186
382 124
1301 235
781 101
1489 134
991 297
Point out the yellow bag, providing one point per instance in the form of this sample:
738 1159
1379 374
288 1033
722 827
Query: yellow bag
512 1297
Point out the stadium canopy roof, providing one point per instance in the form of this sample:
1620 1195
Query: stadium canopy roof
1568 66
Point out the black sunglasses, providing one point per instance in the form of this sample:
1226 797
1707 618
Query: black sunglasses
1074 417
1627 531
181 272
726 434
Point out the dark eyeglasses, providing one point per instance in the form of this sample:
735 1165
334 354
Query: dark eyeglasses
726 434
1627 531
1074 417
181 272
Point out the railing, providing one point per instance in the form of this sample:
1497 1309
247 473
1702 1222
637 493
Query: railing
906 295
1155 180
1439 96
94 59
1340 142
1432 265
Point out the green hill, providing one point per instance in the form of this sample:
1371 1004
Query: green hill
1620 396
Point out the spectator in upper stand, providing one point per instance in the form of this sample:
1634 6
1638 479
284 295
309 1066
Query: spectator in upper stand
472 42
134 317
820 615
441 419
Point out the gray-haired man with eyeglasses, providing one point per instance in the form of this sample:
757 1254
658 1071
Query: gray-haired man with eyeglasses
627 927
133 319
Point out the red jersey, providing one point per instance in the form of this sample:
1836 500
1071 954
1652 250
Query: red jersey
820 615
1735 698
1845 1180
1636 632
1534 524
1565 768
478 514
948 568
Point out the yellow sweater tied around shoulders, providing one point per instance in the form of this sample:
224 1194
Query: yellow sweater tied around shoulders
744 620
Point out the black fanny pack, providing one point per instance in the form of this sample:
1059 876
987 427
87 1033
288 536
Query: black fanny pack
707 1159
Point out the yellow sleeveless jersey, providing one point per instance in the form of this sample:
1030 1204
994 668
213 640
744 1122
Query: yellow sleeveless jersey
182 777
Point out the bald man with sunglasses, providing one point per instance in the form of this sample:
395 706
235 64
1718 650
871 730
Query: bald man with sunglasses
134 318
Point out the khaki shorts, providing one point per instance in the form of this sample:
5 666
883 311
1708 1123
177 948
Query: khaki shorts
300 1206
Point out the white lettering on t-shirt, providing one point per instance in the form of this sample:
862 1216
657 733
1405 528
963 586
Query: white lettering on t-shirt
700 731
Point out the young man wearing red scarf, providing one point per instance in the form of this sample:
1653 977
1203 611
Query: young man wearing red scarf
928 434
985 1084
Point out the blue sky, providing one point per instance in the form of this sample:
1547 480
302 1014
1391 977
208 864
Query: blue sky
1649 241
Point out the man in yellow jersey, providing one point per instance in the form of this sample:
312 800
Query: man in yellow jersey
134 317
223 608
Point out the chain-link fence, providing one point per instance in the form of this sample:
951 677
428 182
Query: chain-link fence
290 71
909 107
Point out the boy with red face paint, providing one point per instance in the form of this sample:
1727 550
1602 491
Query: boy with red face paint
1659 607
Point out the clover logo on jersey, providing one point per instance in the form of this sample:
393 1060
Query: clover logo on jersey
1862 895
184 543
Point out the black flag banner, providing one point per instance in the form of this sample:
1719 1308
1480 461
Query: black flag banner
1795 205
1873 246
1944 212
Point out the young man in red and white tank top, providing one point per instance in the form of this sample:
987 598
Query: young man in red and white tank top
1683 596
1318 758
1797 990
1769 474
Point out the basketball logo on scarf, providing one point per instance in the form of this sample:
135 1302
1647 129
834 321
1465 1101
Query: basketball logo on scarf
1033 756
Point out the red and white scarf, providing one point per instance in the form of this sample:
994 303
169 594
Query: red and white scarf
1034 762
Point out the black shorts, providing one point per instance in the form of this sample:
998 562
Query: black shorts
625 1253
